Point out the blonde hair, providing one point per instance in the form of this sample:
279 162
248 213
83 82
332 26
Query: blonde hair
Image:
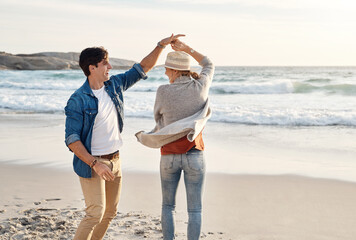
190 74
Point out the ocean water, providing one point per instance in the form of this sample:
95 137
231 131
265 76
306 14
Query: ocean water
266 120
285 96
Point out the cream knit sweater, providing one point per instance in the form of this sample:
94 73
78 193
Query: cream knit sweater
181 108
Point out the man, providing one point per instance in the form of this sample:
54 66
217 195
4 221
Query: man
94 121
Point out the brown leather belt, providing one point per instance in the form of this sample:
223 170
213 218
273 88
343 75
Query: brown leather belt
110 156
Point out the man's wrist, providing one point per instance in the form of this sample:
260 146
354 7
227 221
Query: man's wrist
160 45
93 163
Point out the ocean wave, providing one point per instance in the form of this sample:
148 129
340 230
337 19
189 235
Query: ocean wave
283 87
287 117
235 115
275 87
68 86
342 89
144 88
286 86
37 103
319 80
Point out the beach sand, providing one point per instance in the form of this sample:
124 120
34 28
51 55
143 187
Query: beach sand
44 201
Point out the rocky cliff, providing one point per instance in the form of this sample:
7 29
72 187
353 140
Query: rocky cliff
50 61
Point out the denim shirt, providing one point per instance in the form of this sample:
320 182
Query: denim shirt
82 108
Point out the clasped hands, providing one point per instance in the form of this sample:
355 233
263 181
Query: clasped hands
176 44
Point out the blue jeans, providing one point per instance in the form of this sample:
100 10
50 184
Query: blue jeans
193 165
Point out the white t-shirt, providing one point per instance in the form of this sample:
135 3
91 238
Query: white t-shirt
106 136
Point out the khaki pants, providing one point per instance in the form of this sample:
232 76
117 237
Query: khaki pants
101 200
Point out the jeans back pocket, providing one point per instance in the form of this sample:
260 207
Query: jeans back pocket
195 160
167 161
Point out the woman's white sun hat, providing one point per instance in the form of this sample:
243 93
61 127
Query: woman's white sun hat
178 60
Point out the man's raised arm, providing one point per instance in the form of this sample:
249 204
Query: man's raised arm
151 59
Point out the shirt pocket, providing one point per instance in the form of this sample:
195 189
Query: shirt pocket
89 115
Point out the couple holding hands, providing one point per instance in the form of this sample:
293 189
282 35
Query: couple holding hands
94 122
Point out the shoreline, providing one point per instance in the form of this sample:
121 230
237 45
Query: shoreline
230 148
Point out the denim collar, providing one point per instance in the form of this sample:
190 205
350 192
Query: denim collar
87 89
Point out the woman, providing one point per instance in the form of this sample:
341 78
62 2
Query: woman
181 105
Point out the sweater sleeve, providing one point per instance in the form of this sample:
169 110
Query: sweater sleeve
206 74
157 110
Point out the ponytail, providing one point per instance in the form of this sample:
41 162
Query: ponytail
194 75
190 74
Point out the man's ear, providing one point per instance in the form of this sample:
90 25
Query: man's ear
91 68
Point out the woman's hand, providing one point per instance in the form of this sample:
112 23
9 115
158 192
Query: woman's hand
103 171
172 38
178 45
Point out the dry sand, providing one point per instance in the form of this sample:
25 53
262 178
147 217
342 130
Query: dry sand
43 203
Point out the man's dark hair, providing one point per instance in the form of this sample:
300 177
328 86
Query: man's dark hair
91 56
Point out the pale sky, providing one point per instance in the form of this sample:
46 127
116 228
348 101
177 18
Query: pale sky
230 32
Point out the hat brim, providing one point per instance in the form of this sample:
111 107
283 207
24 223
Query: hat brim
177 68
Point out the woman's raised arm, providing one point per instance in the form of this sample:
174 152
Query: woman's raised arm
178 45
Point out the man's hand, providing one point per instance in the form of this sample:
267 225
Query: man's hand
103 171
172 38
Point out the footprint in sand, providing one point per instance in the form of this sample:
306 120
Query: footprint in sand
53 199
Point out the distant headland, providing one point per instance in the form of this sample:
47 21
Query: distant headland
50 61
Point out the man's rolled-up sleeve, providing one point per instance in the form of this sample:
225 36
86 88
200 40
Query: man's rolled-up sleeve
139 69
74 122
71 139
130 77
